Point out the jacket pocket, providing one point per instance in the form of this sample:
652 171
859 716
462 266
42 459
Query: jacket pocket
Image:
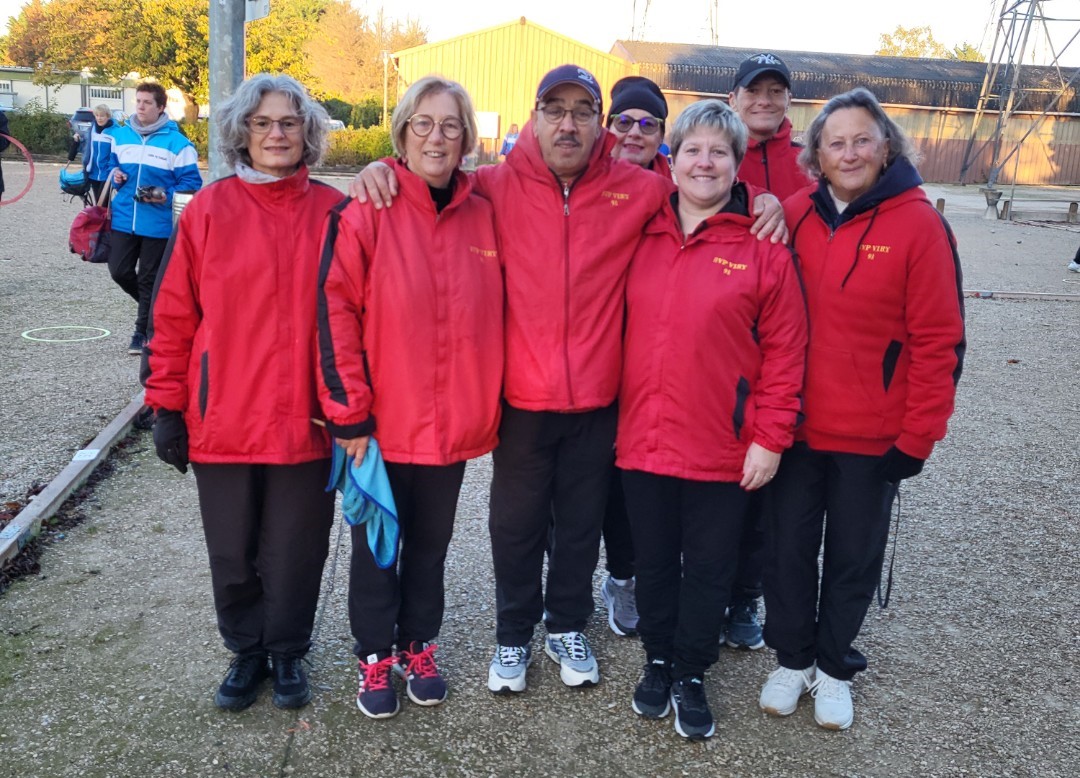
738 416
838 400
888 363
204 382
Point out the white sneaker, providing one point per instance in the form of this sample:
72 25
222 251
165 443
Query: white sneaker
1074 266
832 702
781 692
506 673
577 664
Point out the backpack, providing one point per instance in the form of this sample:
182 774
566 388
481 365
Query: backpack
91 233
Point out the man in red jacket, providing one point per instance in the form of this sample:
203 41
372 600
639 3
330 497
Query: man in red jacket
761 96
568 217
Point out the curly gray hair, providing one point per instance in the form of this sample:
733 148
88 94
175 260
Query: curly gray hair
231 118
900 144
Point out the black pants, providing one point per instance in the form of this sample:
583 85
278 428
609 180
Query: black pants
267 532
751 551
618 540
405 602
96 187
133 265
551 475
842 498
686 534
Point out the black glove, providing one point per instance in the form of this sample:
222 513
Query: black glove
895 465
170 439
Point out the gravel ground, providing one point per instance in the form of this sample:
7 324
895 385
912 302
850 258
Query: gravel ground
109 658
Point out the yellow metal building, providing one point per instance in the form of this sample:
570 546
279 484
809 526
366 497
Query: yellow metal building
502 66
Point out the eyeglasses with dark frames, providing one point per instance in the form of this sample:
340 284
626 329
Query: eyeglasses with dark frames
451 127
581 115
623 123
261 125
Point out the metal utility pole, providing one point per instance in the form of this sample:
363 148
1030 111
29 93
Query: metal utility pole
1004 92
226 65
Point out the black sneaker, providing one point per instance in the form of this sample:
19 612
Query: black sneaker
416 664
652 696
241 685
693 719
138 340
291 688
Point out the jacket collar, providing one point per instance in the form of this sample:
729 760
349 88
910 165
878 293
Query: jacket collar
527 159
416 190
899 177
782 137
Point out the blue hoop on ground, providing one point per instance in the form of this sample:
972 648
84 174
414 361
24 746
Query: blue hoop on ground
30 181
104 333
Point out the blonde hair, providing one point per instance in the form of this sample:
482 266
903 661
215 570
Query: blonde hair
103 110
433 85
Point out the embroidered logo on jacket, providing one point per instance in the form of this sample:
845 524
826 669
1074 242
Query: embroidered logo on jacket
728 266
873 249
615 197
484 254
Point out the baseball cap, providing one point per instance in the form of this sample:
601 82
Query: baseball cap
570 74
759 64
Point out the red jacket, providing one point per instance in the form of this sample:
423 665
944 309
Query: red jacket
773 165
715 348
886 318
566 252
413 298
232 330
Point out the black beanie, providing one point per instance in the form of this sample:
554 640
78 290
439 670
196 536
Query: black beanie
637 92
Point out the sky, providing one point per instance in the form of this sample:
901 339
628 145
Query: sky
840 26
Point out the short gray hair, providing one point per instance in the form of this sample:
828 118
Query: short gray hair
900 144
714 114
232 115
433 85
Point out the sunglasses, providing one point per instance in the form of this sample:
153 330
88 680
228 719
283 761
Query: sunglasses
622 123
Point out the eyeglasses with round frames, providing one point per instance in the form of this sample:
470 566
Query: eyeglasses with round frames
555 113
622 123
451 127
261 125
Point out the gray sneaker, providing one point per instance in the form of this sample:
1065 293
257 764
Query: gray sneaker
621 602
577 664
506 673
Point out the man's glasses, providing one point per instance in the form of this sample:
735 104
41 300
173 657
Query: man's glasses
451 127
260 125
622 123
555 113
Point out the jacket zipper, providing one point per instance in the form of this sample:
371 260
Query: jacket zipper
765 164
566 287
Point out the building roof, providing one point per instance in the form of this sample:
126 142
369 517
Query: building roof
942 83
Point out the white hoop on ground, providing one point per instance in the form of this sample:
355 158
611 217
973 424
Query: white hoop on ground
102 333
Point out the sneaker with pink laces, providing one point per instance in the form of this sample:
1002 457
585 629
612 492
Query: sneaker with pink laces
376 697
416 664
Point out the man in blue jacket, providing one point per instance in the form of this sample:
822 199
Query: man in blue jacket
151 160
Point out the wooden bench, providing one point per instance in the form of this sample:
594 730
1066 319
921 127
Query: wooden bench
1052 209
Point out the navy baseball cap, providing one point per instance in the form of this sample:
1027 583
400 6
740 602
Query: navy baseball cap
570 74
758 65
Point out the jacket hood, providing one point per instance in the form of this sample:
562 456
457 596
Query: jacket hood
899 177
527 158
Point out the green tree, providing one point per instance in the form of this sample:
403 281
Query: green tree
911 42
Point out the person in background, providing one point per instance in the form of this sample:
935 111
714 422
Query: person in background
1074 265
231 357
636 117
411 351
97 150
508 141
151 160
885 302
4 143
701 427
761 95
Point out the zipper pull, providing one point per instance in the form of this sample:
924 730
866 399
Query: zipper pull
566 199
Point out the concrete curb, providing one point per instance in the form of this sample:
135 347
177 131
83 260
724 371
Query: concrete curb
27 524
